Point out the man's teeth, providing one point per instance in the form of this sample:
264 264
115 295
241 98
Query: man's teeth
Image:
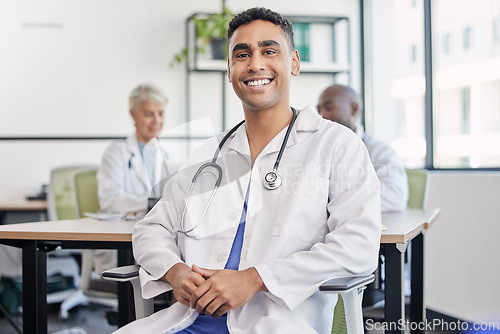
258 82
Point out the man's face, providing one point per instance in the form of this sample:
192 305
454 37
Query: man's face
260 65
337 107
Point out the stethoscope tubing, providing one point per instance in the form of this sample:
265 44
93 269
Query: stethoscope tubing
276 183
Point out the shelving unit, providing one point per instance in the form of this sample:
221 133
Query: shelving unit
327 43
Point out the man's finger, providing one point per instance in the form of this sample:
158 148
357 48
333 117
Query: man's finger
206 273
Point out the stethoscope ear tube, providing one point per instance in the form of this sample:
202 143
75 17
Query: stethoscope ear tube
206 165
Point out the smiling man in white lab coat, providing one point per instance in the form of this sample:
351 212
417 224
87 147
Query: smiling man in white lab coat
253 261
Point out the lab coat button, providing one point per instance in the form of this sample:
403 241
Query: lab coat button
233 216
220 258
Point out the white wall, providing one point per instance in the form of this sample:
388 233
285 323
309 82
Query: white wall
462 248
67 66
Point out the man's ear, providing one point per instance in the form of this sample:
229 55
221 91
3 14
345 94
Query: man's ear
355 109
228 70
295 63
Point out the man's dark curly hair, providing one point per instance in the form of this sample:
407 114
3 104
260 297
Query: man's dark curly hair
260 13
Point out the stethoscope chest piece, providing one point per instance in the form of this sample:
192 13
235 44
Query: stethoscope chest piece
272 180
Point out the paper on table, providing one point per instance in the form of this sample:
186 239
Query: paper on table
384 228
104 216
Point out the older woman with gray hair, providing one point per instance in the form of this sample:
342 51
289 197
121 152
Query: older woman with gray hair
130 168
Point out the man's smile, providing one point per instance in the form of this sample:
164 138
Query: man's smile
256 83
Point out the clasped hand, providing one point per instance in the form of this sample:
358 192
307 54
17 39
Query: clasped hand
213 292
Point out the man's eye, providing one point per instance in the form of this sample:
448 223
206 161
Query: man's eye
242 55
269 52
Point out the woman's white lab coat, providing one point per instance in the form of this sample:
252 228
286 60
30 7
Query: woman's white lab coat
123 183
124 186
323 222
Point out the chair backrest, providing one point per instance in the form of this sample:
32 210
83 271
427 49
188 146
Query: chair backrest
417 183
85 187
339 318
61 195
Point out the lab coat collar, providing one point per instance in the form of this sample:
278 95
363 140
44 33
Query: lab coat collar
239 141
307 121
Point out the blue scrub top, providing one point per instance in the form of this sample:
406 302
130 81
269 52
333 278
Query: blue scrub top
208 325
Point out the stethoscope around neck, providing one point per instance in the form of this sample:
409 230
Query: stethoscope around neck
271 181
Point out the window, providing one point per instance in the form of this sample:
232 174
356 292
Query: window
496 30
462 127
466 110
395 109
467 38
446 47
414 54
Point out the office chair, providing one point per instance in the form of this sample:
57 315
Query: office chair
61 205
349 289
61 197
417 183
92 289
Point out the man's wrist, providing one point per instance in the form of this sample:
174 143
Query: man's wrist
172 272
257 280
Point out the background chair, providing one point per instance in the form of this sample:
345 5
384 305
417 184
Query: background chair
61 205
61 196
417 182
349 289
92 287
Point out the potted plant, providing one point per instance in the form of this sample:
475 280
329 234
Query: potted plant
211 30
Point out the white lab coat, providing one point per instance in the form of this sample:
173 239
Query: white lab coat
390 171
323 222
124 186
123 183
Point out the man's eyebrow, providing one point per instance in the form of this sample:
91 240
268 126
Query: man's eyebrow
241 46
261 44
268 42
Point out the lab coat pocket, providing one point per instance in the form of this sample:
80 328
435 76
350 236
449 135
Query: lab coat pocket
302 209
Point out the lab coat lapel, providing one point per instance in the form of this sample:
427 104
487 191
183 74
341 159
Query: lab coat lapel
238 141
136 161
307 121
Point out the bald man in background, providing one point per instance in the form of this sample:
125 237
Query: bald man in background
343 105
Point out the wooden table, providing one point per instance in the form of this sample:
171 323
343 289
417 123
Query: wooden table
36 239
21 206
402 228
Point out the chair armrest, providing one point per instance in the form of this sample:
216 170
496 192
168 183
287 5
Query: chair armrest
345 284
122 274
143 307
351 289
